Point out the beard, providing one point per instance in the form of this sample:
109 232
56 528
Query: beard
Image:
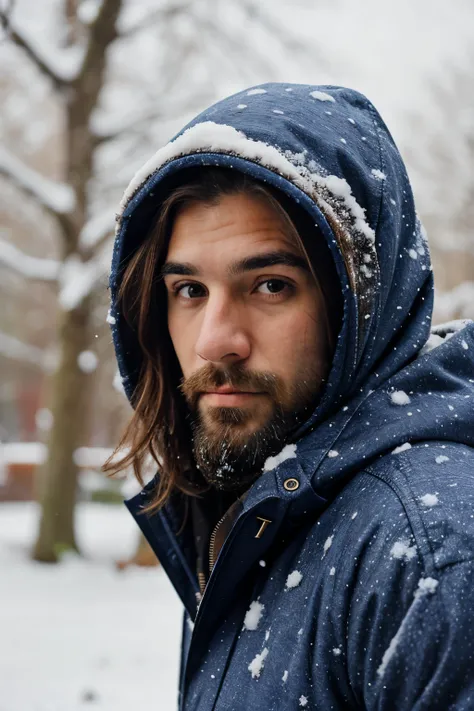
230 444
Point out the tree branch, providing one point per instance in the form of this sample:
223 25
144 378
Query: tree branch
32 53
56 198
11 347
28 267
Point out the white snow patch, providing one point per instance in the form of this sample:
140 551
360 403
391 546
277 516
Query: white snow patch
399 397
284 678
288 452
337 651
332 571
293 580
354 515
401 448
351 120
262 564
333 453
441 459
426 586
254 92
412 253
378 174
327 544
343 140
87 361
241 106
253 615
464 345
429 500
277 111
401 550
303 700
110 319
322 96
267 635
256 665
82 599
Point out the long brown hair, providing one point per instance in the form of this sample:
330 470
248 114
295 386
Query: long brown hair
159 428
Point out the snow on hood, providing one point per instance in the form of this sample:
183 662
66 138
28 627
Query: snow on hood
328 149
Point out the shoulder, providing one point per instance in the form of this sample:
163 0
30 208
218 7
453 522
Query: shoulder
433 482
404 565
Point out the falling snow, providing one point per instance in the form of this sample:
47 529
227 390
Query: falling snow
87 361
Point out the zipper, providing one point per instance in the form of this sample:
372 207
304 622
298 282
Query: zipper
212 541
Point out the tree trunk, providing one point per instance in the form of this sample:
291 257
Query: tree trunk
69 397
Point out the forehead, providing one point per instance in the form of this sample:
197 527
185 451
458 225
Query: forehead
234 225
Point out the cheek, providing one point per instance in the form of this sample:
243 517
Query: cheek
181 340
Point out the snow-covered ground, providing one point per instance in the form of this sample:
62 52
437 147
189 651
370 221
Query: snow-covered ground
82 634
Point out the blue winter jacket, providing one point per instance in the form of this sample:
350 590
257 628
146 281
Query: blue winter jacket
360 592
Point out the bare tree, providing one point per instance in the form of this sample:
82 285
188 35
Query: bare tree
443 161
121 76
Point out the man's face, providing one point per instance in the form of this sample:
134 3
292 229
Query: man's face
247 321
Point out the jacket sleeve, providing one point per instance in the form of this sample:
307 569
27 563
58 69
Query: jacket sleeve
421 654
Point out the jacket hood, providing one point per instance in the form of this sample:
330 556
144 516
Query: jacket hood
327 149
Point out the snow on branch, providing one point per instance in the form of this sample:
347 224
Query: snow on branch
56 197
60 67
11 347
97 230
78 279
29 267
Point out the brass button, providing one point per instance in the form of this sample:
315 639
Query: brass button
291 484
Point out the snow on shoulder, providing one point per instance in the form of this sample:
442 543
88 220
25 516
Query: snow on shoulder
399 397
288 452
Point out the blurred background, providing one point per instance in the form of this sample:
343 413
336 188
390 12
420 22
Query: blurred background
89 90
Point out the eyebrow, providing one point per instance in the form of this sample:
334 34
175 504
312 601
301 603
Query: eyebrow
259 261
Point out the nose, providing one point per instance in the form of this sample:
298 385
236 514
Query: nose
223 336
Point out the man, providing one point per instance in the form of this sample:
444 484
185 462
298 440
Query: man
271 306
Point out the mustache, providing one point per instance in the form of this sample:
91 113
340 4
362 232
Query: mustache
212 376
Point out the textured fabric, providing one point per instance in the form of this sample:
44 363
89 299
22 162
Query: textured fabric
359 594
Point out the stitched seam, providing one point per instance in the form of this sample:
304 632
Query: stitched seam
417 526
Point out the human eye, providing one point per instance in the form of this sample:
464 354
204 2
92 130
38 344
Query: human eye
189 290
274 287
